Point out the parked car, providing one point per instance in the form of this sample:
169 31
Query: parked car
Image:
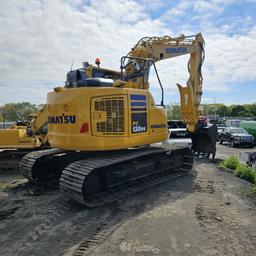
236 137
172 124
179 137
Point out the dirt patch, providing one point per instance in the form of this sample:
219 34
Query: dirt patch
214 219
203 213
204 186
7 213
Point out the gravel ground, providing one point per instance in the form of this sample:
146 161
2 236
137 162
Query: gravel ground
225 150
203 213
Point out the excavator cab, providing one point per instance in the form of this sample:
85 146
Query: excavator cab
91 76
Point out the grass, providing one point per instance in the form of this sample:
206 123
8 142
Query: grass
230 163
2 186
251 192
240 170
245 172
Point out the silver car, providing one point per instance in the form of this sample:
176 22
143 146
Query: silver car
179 137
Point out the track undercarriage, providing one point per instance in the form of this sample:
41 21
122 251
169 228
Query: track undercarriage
9 158
97 178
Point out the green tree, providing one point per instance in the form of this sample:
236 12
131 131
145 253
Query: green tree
204 109
173 112
251 108
219 109
176 112
222 110
168 109
238 110
16 111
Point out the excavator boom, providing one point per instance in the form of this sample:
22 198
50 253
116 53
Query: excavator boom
160 48
149 50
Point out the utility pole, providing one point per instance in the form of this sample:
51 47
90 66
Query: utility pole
4 119
215 108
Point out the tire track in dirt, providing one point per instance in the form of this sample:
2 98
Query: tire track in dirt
97 237
51 211
204 186
222 222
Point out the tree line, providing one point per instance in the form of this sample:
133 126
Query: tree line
235 110
18 111
22 110
246 110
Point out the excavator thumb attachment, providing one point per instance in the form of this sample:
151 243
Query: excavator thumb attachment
188 108
204 141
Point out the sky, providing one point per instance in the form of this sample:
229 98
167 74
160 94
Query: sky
39 39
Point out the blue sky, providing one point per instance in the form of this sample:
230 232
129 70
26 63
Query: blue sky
41 38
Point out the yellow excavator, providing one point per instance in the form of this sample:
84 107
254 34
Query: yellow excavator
23 137
102 129
26 134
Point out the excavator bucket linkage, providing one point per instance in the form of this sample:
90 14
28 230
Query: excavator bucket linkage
204 141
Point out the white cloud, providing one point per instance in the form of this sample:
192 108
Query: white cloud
40 39
225 2
152 4
205 6
229 60
178 10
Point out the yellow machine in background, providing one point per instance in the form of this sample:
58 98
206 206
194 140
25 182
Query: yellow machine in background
104 127
26 135
23 137
16 136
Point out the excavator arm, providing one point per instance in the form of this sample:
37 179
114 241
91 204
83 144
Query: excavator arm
149 50
155 49
38 125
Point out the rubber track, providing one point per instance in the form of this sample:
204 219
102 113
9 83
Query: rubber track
9 159
28 161
73 176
